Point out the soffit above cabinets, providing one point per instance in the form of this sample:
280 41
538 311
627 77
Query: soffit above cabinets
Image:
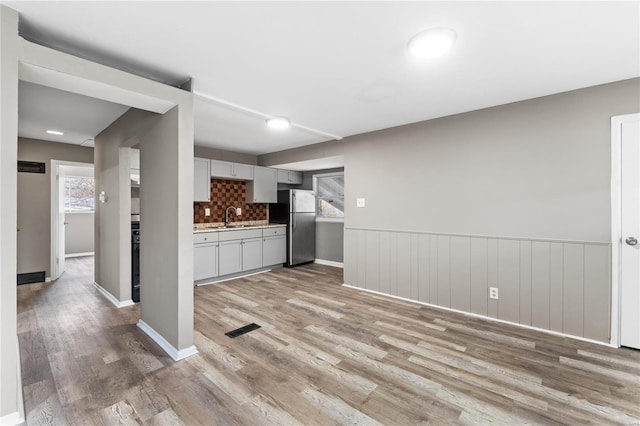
342 67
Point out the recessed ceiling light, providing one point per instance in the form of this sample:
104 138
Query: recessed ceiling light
278 122
431 43
55 132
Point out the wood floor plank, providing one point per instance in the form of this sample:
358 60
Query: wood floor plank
326 354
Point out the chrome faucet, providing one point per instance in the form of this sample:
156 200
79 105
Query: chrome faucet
226 214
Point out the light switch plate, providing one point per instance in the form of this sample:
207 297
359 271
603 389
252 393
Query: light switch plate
239 211
207 212
360 202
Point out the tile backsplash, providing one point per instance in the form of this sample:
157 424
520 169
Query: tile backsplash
225 193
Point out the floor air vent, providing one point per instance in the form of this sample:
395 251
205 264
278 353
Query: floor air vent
242 330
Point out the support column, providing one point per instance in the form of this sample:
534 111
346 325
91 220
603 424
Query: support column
11 411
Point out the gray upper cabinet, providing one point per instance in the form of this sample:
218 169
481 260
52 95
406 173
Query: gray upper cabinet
264 187
227 170
290 177
201 180
243 171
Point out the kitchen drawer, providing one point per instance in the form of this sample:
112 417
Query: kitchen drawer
205 237
240 234
272 232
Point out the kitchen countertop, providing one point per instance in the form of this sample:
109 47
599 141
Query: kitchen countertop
221 228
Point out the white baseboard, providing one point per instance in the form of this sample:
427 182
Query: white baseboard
47 279
174 353
470 314
12 419
88 253
17 417
111 298
329 263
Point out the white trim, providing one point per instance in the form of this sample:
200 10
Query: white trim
499 237
111 298
17 417
470 314
330 219
47 279
329 263
88 253
53 210
174 353
13 418
616 221
234 277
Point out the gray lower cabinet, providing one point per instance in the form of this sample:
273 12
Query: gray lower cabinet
274 250
230 257
205 261
251 254
221 254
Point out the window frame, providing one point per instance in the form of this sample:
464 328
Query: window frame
92 211
315 190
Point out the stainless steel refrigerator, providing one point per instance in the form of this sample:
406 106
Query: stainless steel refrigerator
297 209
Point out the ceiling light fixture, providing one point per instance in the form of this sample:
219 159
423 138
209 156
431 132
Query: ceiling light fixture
278 123
431 43
55 132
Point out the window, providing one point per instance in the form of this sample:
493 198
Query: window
79 194
329 189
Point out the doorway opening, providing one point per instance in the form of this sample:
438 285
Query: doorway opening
72 212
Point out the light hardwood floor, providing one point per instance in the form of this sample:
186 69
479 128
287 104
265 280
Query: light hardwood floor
325 355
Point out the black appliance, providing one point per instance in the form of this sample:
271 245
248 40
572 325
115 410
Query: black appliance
135 261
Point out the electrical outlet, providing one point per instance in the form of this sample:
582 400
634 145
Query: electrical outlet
493 293
207 212
239 211
360 202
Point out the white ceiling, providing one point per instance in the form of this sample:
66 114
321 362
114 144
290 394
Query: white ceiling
342 67
79 117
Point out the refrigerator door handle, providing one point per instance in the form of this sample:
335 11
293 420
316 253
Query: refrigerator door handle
293 203
293 221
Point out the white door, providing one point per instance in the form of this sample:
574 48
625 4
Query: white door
630 250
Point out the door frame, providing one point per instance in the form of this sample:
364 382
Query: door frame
616 222
55 231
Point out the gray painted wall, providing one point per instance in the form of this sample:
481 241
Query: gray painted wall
515 196
78 232
330 241
9 362
166 199
220 154
309 152
113 218
537 169
166 217
34 201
